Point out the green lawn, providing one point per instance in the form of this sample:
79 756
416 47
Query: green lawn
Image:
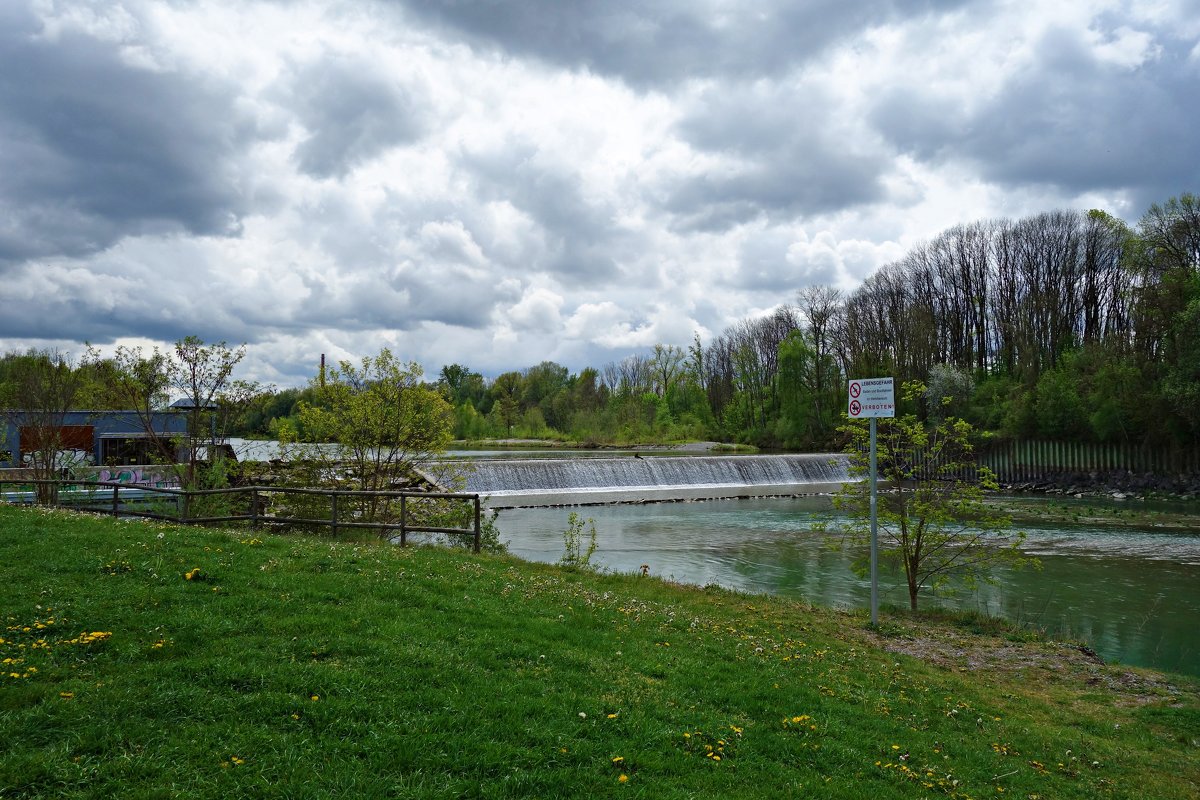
298 667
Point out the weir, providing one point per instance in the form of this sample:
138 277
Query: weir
516 483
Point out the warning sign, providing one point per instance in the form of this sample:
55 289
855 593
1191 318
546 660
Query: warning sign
872 397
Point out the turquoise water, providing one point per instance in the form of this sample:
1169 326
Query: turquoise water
1133 595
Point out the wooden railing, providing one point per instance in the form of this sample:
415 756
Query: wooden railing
240 504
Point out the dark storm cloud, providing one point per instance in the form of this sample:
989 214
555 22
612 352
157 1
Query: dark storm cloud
780 154
647 43
352 115
92 149
1069 121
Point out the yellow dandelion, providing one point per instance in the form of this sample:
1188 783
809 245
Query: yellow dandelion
66 695
315 697
623 779
619 760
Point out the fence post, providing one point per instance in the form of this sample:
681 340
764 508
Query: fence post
115 503
404 520
478 536
254 508
333 513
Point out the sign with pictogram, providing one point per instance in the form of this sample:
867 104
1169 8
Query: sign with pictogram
872 397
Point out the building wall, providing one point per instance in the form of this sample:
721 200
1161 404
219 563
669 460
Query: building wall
101 422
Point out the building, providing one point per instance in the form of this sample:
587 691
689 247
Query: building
104 438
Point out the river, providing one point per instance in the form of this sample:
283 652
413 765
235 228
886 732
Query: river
1133 595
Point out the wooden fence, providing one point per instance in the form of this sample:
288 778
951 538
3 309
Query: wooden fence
239 504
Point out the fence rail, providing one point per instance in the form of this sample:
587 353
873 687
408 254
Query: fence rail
153 502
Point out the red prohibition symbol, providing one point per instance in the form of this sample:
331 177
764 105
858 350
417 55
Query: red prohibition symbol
855 389
855 407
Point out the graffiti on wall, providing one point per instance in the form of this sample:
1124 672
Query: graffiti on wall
139 476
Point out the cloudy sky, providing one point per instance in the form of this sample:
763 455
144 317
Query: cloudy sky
499 183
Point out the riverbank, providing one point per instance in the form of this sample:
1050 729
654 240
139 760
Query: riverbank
153 659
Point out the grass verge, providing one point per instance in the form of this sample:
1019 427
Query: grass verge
146 660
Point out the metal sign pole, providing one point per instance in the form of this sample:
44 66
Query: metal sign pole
874 536
871 398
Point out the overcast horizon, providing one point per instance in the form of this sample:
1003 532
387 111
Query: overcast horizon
499 184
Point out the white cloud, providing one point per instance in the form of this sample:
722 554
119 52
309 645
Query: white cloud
537 311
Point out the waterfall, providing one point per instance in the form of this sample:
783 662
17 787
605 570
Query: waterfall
571 481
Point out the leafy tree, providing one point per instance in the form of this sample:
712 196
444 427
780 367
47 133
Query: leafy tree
1059 408
462 385
932 518
506 392
1181 384
376 428
545 388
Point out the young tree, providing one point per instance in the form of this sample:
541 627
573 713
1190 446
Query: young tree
141 383
377 424
201 376
932 517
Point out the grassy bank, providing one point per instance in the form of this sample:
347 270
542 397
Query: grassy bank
301 667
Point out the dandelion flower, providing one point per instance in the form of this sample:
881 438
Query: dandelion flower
623 779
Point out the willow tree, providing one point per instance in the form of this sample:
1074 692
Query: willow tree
933 518
375 427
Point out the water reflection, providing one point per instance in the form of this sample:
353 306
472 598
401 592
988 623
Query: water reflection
1133 595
